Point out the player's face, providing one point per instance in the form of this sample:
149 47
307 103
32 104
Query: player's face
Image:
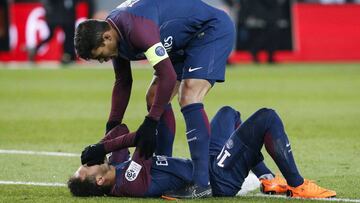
107 50
95 170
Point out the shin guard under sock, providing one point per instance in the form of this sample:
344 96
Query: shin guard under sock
198 136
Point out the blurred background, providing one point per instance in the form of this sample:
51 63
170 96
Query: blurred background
314 86
268 31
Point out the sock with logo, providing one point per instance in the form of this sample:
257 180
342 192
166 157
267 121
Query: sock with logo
278 146
261 169
166 132
198 136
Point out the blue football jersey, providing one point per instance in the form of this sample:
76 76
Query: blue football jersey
143 23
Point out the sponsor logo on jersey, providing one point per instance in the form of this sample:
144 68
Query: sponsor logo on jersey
168 41
161 161
133 171
160 51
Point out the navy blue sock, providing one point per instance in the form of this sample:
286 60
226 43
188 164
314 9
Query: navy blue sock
261 169
278 146
198 134
166 132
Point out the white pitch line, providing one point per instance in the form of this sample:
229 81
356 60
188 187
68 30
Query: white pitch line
315 199
5 151
2 182
256 195
64 154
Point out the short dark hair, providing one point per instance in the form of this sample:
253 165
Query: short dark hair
86 187
88 36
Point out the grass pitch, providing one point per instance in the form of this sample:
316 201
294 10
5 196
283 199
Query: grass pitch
63 110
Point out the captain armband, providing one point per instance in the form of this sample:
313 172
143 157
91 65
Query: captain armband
156 53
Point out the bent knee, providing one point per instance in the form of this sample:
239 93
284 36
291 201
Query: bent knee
227 110
193 91
265 112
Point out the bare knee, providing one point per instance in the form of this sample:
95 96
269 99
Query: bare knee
193 91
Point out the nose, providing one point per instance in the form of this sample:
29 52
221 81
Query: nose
101 60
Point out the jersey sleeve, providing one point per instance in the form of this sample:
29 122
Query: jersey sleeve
121 90
120 141
145 36
117 156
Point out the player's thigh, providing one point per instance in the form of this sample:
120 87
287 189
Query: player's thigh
223 124
151 91
207 59
193 91
252 131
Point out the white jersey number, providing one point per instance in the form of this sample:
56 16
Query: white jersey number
222 157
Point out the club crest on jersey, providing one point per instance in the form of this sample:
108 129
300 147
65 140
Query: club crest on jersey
133 171
160 51
229 144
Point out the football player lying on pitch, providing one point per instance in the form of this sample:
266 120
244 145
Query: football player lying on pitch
234 149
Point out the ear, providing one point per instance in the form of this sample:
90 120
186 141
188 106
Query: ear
107 36
100 180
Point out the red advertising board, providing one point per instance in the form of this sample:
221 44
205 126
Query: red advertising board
28 27
320 33
327 32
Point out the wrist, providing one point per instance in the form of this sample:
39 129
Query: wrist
150 121
111 124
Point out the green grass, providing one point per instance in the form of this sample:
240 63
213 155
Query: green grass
66 109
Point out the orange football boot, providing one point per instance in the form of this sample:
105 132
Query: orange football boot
310 190
277 185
